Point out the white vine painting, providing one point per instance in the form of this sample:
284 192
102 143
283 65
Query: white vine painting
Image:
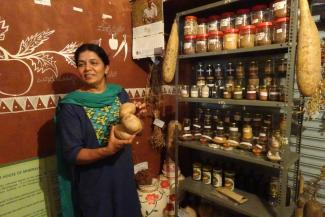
35 61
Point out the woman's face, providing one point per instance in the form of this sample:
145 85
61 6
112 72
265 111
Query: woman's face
92 69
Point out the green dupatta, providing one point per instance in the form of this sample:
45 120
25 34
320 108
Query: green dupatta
87 99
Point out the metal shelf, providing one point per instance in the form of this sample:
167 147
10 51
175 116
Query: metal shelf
272 47
243 102
238 154
254 207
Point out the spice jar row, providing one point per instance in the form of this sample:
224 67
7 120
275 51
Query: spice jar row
247 36
242 17
232 176
252 134
234 82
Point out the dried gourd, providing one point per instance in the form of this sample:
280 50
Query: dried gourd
309 52
169 63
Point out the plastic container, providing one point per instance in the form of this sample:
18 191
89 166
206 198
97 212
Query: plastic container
280 8
201 44
263 34
227 21
280 30
259 14
215 41
242 17
230 39
189 44
247 36
190 26
213 23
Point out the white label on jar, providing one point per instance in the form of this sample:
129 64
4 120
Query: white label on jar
200 82
187 45
197 134
187 134
207 127
219 128
262 134
251 91
257 119
233 128
247 119
194 94
279 30
238 93
213 41
247 130
207 137
274 93
206 179
201 42
263 93
239 21
196 125
187 128
217 182
279 5
260 36
213 27
229 183
201 26
259 146
225 22
229 85
255 21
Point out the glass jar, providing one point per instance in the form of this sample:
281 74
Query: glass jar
215 41
214 23
282 71
207 174
256 125
200 76
229 180
274 93
230 83
233 132
251 92
247 119
280 30
280 8
242 18
263 93
230 71
197 171
205 92
226 21
207 132
227 93
186 134
219 79
268 73
189 44
263 34
267 121
201 44
202 27
217 177
196 128
194 91
258 14
238 92
230 39
253 78
209 75
247 132
247 36
240 71
185 91
190 26
263 137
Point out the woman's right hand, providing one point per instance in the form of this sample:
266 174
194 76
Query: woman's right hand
114 144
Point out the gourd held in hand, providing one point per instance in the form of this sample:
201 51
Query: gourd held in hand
130 123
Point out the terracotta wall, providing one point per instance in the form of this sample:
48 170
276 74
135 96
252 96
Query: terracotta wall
36 43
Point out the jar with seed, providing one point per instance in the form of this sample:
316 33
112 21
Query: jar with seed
189 44
194 91
207 174
247 36
217 177
251 92
190 26
247 132
230 39
186 134
253 78
268 73
242 17
215 41
258 14
263 34
201 44
197 171
196 128
202 27
214 23
238 92
280 30
227 93
227 21
205 92
280 8
229 180
263 93
219 80
274 93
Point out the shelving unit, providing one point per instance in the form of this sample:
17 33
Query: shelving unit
255 207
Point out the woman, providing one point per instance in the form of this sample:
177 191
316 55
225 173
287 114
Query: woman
93 164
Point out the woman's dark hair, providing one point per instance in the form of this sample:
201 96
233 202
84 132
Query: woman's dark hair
94 48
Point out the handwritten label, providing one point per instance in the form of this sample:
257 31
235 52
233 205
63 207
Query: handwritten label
159 123
140 166
77 9
43 2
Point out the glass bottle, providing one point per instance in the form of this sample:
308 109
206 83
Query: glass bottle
253 78
247 119
226 120
229 179
263 138
233 132
196 128
207 132
251 92
194 91
263 93
230 71
238 92
256 125
267 121
274 93
186 134
205 91
219 80
209 75
268 73
240 71
219 136
200 77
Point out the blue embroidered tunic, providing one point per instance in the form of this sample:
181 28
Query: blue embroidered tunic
107 187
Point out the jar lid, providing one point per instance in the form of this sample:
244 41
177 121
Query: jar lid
243 11
231 30
247 27
281 20
190 18
201 20
264 24
227 14
201 36
259 7
216 33
213 17
189 37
